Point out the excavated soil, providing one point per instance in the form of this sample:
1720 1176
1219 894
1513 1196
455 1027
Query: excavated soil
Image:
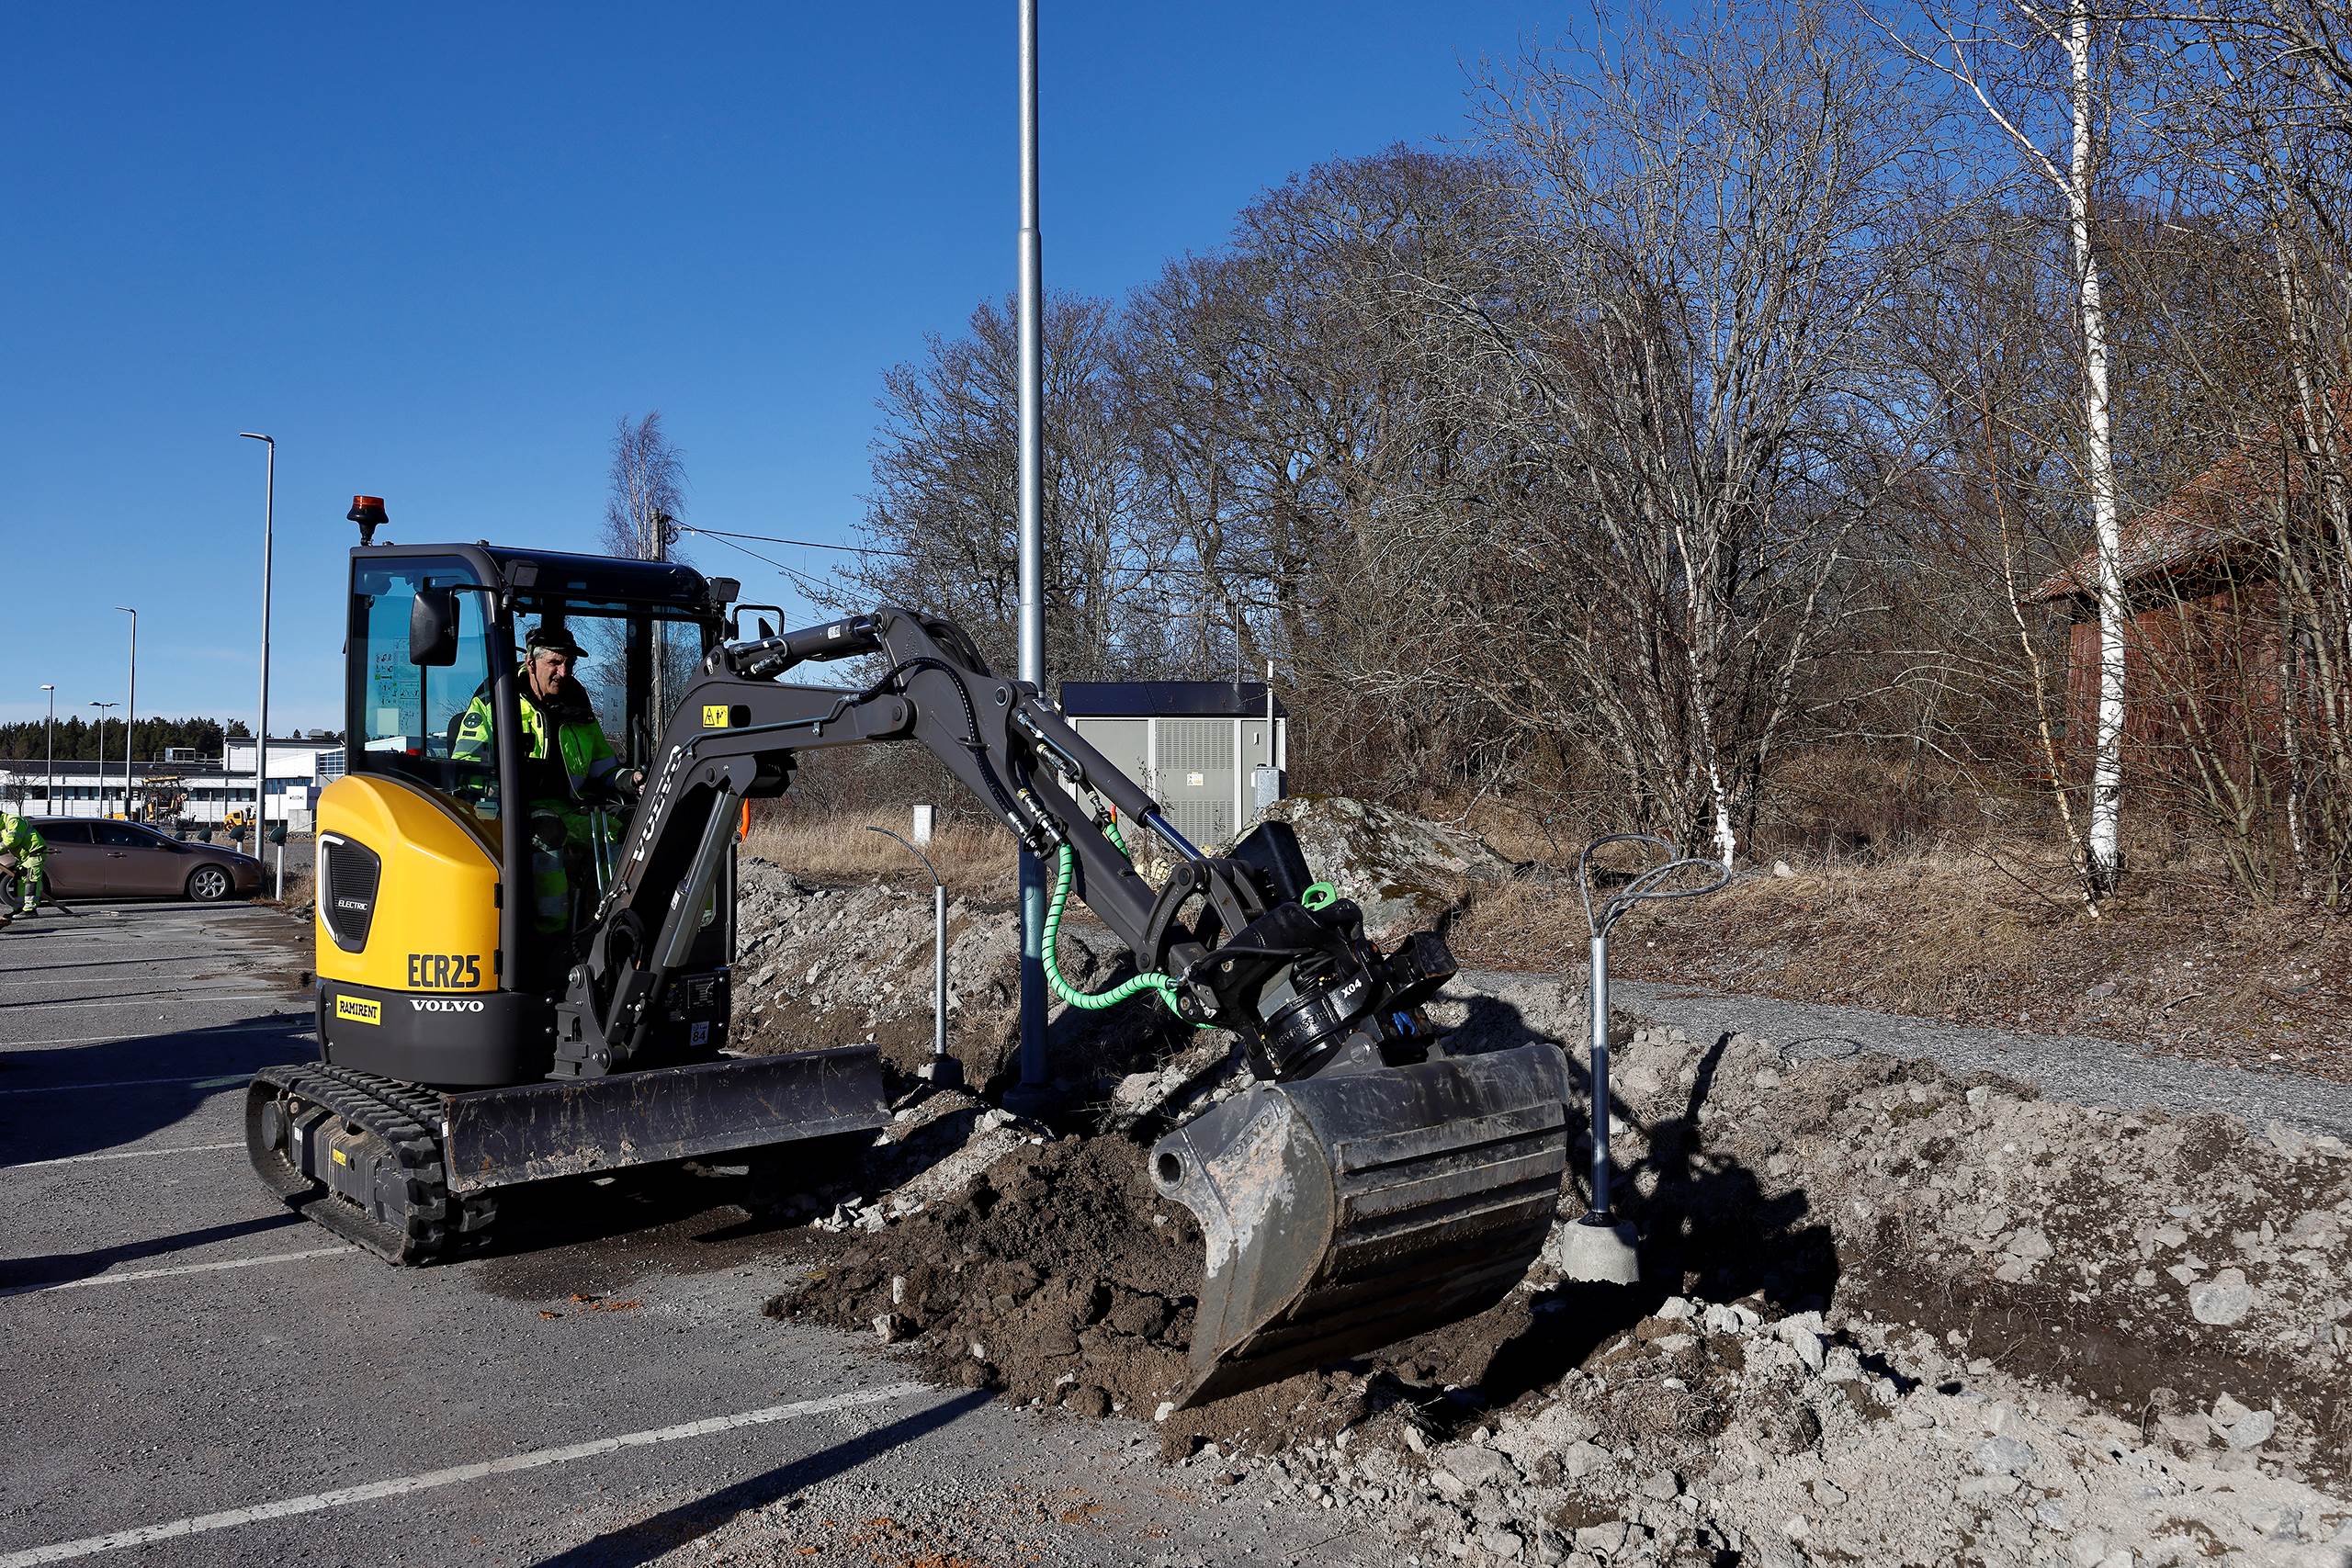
1056 1274
1860 1272
2055 1332
1059 1276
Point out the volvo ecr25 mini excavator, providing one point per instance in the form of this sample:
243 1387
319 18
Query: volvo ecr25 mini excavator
1369 1183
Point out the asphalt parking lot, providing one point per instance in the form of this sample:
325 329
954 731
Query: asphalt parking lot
196 1376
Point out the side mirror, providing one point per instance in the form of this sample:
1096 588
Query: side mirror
433 626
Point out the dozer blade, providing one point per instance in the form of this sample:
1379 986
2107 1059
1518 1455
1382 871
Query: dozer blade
1347 1211
500 1137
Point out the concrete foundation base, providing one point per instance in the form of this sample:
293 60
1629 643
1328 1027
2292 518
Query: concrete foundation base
1594 1252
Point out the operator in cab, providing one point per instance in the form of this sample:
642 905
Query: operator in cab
569 767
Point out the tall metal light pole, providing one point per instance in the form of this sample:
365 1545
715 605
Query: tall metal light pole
261 726
131 709
1033 553
49 796
102 708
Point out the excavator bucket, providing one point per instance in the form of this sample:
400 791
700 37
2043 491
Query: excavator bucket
1347 1211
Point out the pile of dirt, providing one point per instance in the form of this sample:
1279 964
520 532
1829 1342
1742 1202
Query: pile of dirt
2121 1253
819 966
2091 1335
1720 1433
1407 872
1060 1277
1056 1274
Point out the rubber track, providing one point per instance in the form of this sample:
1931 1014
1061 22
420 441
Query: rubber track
407 1120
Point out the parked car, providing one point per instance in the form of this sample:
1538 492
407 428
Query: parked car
101 859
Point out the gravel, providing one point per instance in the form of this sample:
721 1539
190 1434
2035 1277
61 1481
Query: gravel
2077 1068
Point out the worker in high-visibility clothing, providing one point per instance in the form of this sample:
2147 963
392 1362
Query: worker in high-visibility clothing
575 767
26 853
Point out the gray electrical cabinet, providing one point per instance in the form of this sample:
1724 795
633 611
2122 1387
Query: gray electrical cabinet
1214 754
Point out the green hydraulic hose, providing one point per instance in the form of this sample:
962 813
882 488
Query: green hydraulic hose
1320 896
1164 983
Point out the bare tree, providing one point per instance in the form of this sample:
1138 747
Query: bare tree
2256 117
646 495
942 514
1683 376
1997 52
1295 444
648 489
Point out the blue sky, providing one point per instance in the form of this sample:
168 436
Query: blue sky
436 251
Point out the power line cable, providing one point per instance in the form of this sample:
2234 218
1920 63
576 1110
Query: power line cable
816 588
804 543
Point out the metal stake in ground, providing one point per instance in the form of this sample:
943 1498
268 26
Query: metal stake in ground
942 1069
1597 1247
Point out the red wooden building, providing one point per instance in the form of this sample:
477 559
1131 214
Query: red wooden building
2206 650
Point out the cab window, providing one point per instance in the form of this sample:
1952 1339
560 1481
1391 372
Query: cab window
407 718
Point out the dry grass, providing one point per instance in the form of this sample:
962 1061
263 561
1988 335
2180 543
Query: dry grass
300 867
1979 934
1906 912
973 859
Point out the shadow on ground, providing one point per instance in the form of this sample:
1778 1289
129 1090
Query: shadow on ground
1709 1229
134 1087
673 1528
19 1275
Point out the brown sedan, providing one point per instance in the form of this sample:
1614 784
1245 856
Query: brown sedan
97 859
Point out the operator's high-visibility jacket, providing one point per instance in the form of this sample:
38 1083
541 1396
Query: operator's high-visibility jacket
563 747
22 839
579 739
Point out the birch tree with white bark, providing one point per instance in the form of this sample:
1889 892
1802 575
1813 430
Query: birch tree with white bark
2042 75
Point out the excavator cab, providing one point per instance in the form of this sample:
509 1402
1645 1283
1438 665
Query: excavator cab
442 721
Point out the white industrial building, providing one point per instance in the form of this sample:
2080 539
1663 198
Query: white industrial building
214 786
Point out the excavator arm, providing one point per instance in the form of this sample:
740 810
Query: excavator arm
1301 986
1368 1185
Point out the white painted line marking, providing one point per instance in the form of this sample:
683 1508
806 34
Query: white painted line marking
122 1153
8 1045
230 1081
180 998
167 1273
318 1502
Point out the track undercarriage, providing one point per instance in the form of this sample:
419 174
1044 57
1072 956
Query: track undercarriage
362 1155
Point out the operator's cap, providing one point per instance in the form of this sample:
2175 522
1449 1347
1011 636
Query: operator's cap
557 638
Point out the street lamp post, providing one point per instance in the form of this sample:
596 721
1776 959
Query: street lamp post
131 709
942 1069
1033 1089
102 708
261 728
49 796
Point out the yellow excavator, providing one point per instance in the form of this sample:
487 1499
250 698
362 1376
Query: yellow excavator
1367 1185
